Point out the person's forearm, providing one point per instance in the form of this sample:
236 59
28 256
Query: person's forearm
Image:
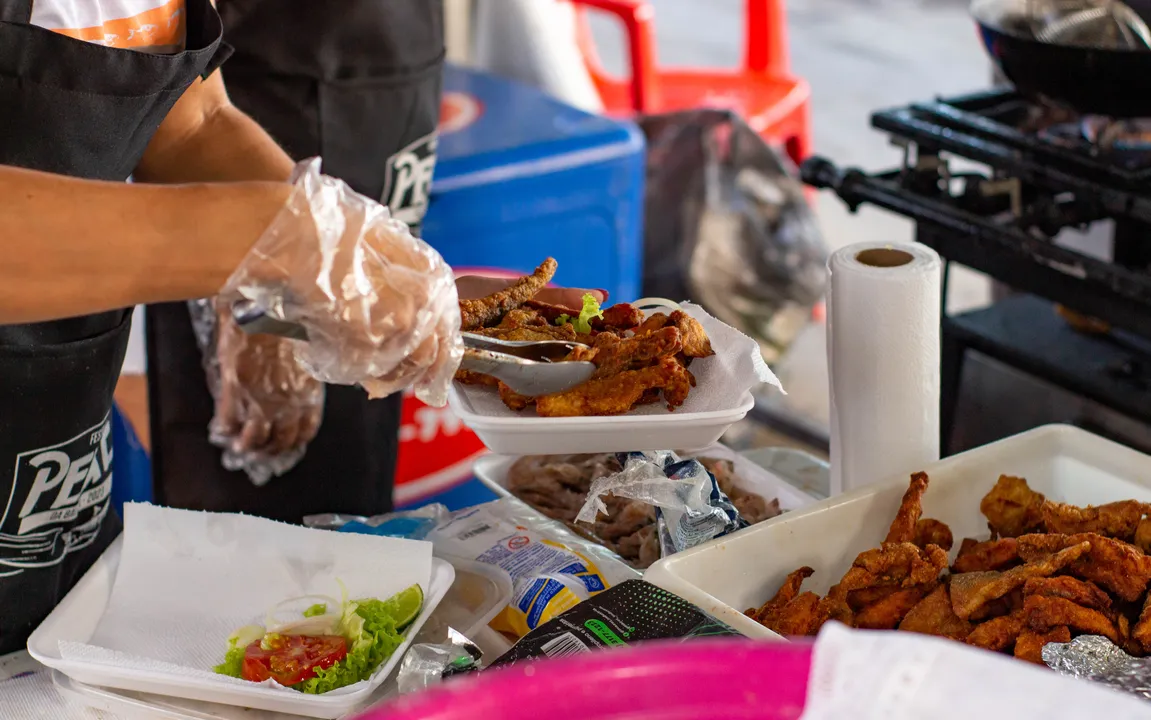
227 146
71 247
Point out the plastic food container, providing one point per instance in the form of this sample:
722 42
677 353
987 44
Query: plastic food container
476 596
701 680
744 569
492 470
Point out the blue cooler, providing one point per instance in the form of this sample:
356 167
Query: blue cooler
519 177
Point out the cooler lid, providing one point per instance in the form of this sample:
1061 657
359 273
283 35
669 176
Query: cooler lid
493 129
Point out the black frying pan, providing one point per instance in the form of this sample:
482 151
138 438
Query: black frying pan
1116 83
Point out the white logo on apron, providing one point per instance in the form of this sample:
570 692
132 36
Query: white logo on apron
60 495
409 180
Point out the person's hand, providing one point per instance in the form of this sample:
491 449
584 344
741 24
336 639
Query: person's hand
472 287
267 405
379 306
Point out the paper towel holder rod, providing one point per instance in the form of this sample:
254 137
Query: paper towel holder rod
884 257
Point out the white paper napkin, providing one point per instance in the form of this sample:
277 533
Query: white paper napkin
723 380
188 579
888 675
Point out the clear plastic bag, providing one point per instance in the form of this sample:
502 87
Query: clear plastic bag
727 225
690 507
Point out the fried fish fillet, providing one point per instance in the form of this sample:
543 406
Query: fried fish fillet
971 591
1012 508
1077 591
1113 565
787 592
999 633
1047 613
929 531
616 394
892 564
902 528
613 356
696 344
933 615
1029 644
890 611
476 314
1114 520
1141 633
988 555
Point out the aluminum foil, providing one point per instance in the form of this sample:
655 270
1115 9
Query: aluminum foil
1092 657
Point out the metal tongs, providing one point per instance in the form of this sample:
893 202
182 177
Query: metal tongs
529 368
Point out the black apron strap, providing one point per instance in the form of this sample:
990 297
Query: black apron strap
16 11
223 52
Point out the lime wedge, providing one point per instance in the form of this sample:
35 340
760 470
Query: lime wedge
404 606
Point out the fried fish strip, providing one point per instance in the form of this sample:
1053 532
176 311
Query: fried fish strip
1114 520
468 377
513 399
902 528
892 564
613 395
1046 613
1141 633
614 357
1077 591
1029 644
1012 508
531 333
484 311
997 634
929 531
1142 538
890 611
989 555
934 616
1111 564
696 343
971 591
801 616
786 593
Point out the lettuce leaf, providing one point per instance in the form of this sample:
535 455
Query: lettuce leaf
377 638
582 324
317 609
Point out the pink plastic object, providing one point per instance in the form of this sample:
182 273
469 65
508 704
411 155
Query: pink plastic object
698 680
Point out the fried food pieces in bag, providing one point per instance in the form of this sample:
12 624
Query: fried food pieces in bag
1049 572
638 360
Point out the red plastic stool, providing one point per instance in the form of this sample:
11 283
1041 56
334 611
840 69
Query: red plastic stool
763 91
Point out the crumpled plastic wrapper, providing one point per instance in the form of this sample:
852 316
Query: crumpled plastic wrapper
690 507
726 223
1092 657
379 305
414 524
426 665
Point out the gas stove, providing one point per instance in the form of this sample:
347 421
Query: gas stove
993 181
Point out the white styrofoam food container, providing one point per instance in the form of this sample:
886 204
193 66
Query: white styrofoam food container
76 617
731 574
492 470
645 428
477 595
527 434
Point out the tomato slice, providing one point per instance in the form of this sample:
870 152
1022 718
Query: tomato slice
291 659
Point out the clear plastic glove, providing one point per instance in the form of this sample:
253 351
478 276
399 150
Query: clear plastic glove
380 306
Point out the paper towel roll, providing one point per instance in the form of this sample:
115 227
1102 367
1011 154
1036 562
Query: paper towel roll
883 354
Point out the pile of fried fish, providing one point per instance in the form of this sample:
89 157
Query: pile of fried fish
1050 571
638 361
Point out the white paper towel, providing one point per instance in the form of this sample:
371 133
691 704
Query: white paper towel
722 381
883 356
883 675
188 579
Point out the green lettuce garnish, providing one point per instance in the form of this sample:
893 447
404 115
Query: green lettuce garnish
372 638
317 609
582 324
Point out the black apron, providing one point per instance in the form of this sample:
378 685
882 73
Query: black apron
79 109
358 83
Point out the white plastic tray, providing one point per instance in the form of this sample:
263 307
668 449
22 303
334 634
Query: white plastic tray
742 570
527 434
492 470
650 427
76 617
